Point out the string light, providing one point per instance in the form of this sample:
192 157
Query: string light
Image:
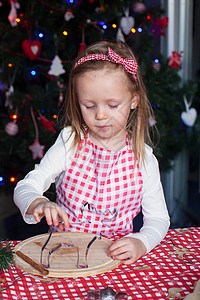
114 25
104 26
33 72
133 30
18 20
139 29
1 180
156 60
14 117
12 179
55 116
65 32
40 35
10 65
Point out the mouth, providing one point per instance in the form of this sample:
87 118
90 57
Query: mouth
103 127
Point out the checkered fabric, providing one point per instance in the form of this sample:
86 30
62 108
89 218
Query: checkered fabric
130 65
101 190
161 274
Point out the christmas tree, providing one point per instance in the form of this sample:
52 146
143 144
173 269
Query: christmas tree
40 39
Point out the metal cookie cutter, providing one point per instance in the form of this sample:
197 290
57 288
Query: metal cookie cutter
84 266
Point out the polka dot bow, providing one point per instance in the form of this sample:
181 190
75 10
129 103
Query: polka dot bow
130 65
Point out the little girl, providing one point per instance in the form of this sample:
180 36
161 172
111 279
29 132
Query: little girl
102 166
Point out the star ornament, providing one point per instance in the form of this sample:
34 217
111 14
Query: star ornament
37 149
108 294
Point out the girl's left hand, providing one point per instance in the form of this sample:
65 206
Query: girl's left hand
127 249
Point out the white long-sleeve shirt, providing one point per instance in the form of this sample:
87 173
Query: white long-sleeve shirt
52 168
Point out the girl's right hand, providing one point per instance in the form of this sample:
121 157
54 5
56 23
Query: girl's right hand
53 214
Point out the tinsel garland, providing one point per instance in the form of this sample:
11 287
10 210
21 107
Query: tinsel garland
6 255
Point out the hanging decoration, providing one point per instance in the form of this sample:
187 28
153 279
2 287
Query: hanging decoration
68 15
189 116
175 59
120 36
10 91
46 123
12 128
36 149
13 13
56 67
139 7
159 26
60 86
152 121
82 44
8 102
31 49
156 65
127 22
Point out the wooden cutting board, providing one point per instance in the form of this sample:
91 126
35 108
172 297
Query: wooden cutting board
63 262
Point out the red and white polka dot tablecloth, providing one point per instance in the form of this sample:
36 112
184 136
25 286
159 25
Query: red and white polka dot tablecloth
167 272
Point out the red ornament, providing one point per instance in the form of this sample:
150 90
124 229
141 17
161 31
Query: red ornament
175 59
160 25
82 47
31 49
47 124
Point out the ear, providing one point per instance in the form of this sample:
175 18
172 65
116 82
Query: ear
135 101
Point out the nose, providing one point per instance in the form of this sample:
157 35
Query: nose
101 113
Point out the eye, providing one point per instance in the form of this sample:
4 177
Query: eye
113 106
89 107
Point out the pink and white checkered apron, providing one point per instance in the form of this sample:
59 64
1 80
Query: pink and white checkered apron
101 190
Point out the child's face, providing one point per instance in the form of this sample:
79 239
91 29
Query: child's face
105 100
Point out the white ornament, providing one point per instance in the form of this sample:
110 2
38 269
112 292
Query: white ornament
13 13
139 7
68 15
120 36
152 121
11 128
189 116
156 66
56 68
8 102
127 23
36 149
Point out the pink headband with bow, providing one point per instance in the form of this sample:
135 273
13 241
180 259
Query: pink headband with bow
130 65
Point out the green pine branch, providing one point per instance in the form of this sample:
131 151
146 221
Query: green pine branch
6 255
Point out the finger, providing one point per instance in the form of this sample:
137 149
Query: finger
55 216
117 244
119 250
36 216
64 218
121 255
128 261
48 215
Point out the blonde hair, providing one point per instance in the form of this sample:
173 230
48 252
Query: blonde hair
137 124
